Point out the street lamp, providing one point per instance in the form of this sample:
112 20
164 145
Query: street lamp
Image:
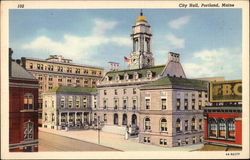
98 130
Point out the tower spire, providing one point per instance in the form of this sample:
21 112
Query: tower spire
141 13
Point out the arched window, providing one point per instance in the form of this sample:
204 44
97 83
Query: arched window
212 123
147 124
231 128
222 128
163 125
124 119
115 119
28 130
178 125
134 119
28 101
193 124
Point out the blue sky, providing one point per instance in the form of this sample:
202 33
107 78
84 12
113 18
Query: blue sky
209 40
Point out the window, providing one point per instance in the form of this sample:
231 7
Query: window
200 104
186 125
125 104
205 94
178 104
201 139
163 124
50 86
45 104
194 140
62 102
115 119
163 104
222 128
212 127
53 103
193 104
70 102
77 102
147 125
104 104
28 130
179 142
45 117
200 124
134 103
40 77
147 103
115 91
124 91
134 90
200 94
52 117
105 92
77 80
28 101
178 125
59 79
163 142
146 139
231 129
38 66
31 65
84 102
95 104
93 83
41 66
186 140
77 71
105 117
116 104
186 104
193 124
69 80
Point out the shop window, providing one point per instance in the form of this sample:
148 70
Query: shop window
222 128
231 129
212 127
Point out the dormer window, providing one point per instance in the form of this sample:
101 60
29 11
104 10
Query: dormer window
117 77
149 74
136 76
126 76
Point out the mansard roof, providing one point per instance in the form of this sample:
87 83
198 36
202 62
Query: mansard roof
70 89
183 82
156 70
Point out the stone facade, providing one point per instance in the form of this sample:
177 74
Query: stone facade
156 103
68 107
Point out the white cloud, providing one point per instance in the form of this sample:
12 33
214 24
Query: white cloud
216 62
79 48
101 26
177 23
175 42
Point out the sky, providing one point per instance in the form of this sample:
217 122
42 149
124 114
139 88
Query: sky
209 41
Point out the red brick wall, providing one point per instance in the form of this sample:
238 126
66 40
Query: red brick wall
17 118
238 127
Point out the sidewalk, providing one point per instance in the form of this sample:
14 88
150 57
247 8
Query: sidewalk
116 141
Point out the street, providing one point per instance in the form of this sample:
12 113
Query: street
49 142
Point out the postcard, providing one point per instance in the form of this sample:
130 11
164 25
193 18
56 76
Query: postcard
124 79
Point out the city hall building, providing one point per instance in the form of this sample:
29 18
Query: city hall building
223 118
58 71
155 102
23 108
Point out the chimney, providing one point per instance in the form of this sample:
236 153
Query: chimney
113 66
10 62
174 57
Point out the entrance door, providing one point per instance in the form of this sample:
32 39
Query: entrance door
115 119
134 119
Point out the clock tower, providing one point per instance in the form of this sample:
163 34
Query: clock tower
141 55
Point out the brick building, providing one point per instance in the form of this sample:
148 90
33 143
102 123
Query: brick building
223 118
23 109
